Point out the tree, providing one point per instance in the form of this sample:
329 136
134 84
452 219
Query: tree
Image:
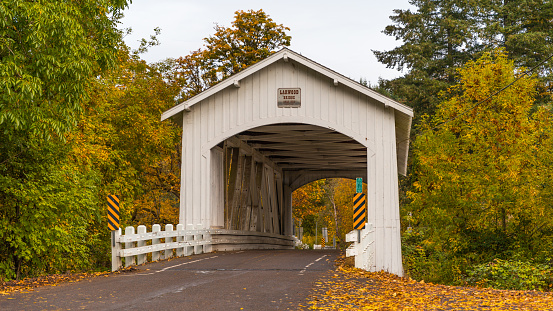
50 52
482 187
120 135
440 36
437 38
308 205
252 37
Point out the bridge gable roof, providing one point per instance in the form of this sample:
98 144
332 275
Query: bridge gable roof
288 54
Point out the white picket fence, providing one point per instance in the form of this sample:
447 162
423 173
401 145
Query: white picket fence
363 250
134 247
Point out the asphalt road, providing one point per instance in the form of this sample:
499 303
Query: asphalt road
242 280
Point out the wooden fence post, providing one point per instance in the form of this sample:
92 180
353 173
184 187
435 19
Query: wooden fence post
140 259
180 238
198 249
156 229
115 247
168 253
129 261
189 249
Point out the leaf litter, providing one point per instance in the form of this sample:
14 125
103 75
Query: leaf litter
349 288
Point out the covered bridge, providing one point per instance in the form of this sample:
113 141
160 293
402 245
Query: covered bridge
252 139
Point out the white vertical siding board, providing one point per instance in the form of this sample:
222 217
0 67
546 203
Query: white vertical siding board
339 106
196 195
186 170
205 212
347 107
248 90
272 94
256 88
283 79
379 193
324 101
218 112
211 118
226 110
379 171
316 86
309 103
355 112
302 78
397 261
333 107
233 109
295 83
389 200
388 196
272 108
204 160
183 171
267 86
241 103
289 79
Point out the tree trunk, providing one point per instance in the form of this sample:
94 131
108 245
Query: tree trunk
337 228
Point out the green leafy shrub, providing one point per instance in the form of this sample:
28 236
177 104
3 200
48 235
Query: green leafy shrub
511 274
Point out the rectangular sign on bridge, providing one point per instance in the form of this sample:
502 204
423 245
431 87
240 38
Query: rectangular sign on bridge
289 98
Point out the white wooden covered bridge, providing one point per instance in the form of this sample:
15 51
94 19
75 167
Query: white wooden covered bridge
251 140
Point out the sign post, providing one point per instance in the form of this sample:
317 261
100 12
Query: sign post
359 208
113 226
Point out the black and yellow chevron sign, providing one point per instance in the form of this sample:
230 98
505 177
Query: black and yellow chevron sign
113 212
359 211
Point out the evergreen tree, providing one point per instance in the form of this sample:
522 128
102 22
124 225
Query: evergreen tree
441 36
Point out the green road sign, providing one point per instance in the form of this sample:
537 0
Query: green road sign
359 184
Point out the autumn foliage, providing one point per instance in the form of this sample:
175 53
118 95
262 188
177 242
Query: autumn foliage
483 176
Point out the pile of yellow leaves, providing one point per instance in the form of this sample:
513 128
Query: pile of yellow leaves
30 284
353 289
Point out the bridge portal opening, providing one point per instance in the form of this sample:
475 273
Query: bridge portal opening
261 167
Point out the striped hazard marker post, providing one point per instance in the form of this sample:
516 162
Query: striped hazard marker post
359 209
113 226
113 212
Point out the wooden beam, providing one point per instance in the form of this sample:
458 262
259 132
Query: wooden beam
248 150
320 147
327 153
233 168
243 220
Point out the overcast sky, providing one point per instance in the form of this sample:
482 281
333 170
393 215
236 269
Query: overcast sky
337 34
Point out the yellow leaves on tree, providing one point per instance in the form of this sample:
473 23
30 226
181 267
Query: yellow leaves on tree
120 135
484 175
252 37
